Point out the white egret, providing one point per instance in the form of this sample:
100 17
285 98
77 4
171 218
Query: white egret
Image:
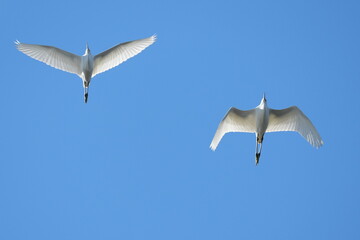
263 119
86 66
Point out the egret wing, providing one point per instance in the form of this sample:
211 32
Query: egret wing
120 53
235 120
52 56
293 119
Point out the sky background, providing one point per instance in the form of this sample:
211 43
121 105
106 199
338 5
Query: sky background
134 162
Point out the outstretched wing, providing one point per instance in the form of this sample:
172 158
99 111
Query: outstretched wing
293 119
120 53
235 120
52 56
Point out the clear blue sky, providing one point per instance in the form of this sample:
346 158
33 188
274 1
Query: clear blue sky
134 163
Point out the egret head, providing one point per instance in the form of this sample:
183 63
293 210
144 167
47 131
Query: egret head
263 98
87 50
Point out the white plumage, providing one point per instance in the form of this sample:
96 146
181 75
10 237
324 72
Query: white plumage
86 66
263 119
119 54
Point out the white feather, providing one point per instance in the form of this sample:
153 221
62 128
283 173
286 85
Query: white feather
235 120
293 119
119 54
52 56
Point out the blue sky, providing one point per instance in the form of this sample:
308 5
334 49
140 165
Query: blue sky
134 163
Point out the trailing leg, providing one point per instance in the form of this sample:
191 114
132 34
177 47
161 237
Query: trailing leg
257 154
86 93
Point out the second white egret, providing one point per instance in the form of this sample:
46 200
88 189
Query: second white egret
86 66
263 119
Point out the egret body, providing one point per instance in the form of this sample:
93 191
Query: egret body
86 66
263 119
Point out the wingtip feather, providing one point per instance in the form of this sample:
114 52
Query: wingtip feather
153 38
213 146
320 144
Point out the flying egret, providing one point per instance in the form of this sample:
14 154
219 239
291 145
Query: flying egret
86 66
263 119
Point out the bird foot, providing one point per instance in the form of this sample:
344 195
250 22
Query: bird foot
86 97
257 158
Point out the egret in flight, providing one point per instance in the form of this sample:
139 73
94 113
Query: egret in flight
86 66
263 119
